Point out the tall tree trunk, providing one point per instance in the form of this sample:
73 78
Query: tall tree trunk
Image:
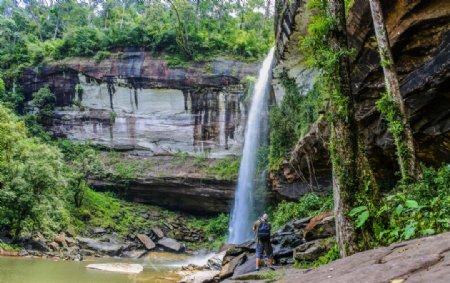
344 141
182 35
393 89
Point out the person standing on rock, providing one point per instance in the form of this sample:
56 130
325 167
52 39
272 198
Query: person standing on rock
262 229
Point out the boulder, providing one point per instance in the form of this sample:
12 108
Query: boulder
118 267
228 269
98 230
70 241
61 239
86 252
311 251
301 223
100 247
321 226
134 253
54 246
71 231
170 244
146 241
204 276
23 252
246 267
215 263
158 232
38 244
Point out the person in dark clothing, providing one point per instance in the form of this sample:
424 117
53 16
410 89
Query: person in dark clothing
262 229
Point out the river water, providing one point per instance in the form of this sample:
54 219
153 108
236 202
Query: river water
159 267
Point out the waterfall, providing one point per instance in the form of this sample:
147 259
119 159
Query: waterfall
244 209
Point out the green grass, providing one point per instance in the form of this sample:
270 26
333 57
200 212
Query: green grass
226 169
103 210
9 247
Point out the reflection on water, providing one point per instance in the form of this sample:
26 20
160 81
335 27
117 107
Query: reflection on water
158 268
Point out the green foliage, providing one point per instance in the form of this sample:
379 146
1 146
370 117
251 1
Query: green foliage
45 101
249 84
82 41
291 120
32 178
102 54
332 255
2 88
391 111
412 210
34 32
309 204
11 99
227 168
9 247
218 226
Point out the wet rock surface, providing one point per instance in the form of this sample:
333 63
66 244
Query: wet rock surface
288 244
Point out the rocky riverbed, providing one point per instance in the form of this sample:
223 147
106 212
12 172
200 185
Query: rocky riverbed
152 229
304 240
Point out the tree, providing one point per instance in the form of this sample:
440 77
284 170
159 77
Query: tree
32 180
402 132
182 34
344 140
84 165
45 101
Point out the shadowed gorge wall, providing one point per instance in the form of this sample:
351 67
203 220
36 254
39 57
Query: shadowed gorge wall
419 33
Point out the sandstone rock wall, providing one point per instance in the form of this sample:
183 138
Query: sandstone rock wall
419 33
133 101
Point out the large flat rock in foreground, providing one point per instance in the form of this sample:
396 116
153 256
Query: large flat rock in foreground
417 261
420 260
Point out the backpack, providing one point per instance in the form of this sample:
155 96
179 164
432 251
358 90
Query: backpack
264 231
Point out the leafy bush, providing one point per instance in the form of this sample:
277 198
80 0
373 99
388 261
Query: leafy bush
102 54
308 205
218 226
82 41
32 179
45 101
412 210
291 120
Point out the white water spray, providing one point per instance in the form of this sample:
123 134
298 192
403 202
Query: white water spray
244 200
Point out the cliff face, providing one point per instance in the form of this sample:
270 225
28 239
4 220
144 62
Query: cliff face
419 33
133 101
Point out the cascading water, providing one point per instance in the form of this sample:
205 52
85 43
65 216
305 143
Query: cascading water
244 208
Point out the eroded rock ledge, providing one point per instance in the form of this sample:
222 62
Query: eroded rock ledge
193 195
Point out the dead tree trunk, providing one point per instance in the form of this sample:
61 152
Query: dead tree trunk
344 136
407 162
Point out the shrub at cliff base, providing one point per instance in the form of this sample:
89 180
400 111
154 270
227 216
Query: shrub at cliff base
32 182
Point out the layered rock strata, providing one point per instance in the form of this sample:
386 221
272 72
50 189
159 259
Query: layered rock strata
419 33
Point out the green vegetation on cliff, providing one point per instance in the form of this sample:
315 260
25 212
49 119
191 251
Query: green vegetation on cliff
37 32
291 119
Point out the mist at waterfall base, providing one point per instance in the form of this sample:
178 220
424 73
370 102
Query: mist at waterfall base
247 200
